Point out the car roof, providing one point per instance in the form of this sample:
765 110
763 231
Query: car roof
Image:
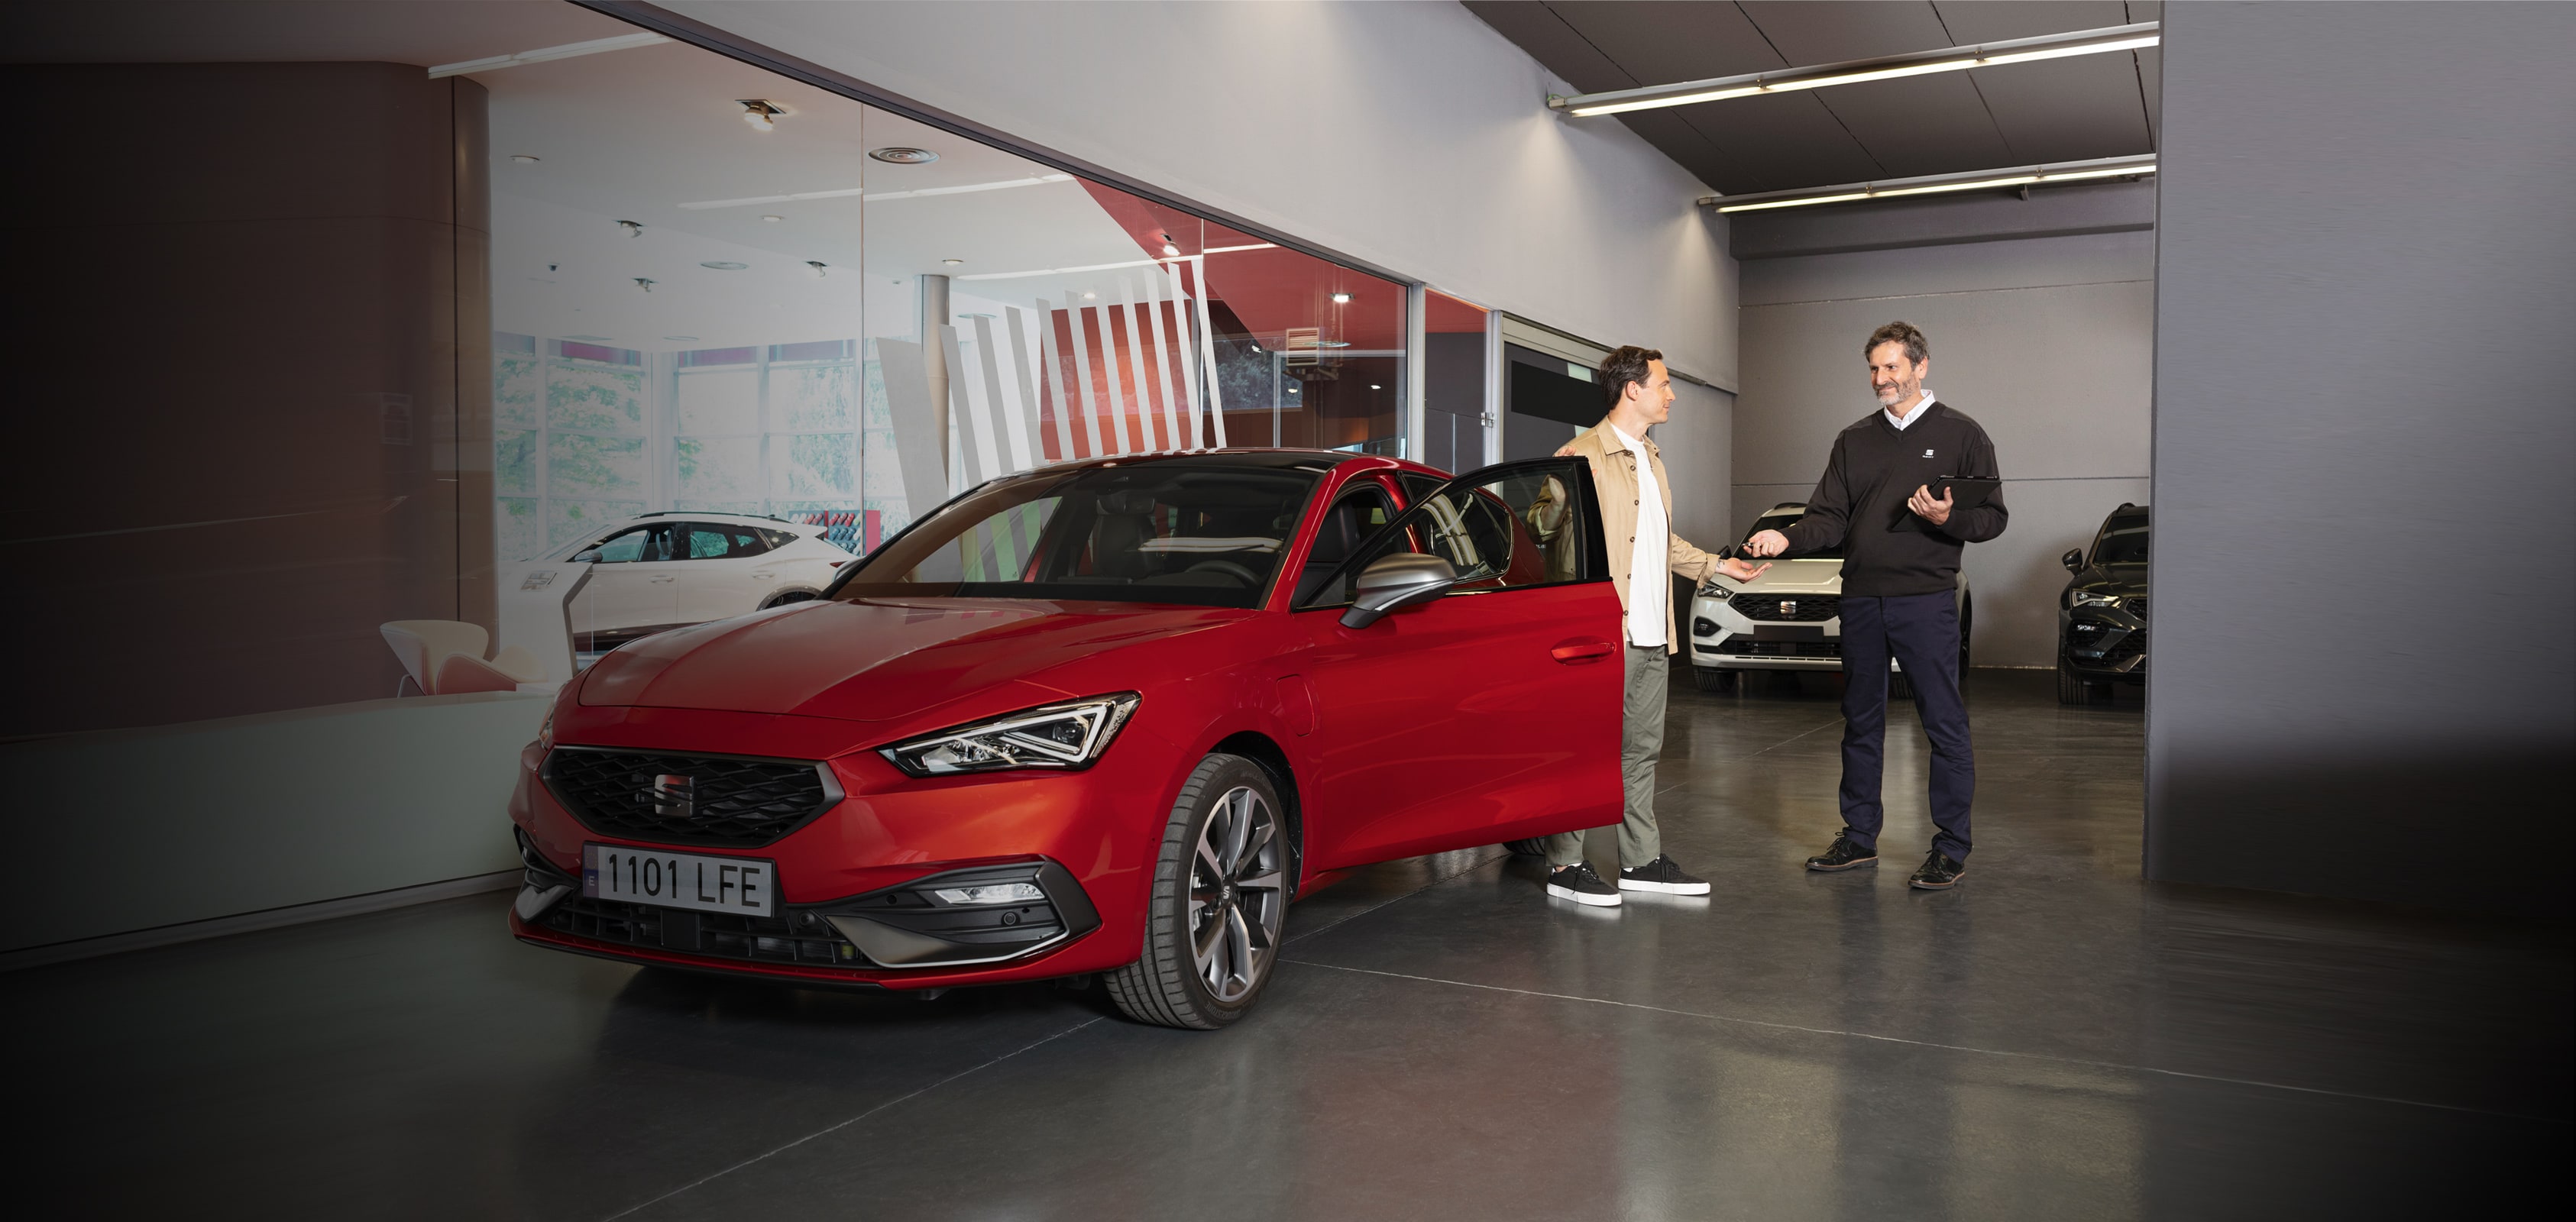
1263 457
712 515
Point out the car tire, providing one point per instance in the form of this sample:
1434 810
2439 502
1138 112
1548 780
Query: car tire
1712 679
1221 888
1900 686
2071 689
1535 846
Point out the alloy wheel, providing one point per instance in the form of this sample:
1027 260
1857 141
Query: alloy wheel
1236 896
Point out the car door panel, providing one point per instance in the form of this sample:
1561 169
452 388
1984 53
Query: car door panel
1486 715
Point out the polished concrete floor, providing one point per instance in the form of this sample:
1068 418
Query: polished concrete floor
2055 1039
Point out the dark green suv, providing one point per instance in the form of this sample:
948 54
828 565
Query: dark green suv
2102 615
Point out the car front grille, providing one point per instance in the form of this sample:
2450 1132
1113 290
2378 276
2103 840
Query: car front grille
1787 609
1745 646
2127 647
799 937
2135 605
687 799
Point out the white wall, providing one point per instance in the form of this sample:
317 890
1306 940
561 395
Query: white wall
2048 342
1409 135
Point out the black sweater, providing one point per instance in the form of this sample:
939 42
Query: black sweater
1888 551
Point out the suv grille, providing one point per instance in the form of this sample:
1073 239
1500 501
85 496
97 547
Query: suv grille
687 799
1787 609
797 937
1745 646
2125 648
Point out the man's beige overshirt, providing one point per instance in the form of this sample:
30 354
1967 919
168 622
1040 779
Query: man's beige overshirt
1614 477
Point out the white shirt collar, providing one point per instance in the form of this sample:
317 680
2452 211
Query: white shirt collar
1622 434
1910 417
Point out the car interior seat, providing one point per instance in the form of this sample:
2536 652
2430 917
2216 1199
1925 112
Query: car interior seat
1118 542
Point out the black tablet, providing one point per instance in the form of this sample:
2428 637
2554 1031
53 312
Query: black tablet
1966 491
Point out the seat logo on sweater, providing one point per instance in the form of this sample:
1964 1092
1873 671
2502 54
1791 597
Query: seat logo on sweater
1927 454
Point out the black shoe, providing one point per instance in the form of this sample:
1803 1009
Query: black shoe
1843 856
1579 883
1939 873
1662 874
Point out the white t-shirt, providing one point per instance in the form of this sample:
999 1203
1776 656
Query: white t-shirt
1647 563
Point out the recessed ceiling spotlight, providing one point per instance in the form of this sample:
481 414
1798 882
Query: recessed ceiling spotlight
761 113
954 262
1256 347
724 265
814 268
1171 251
1341 299
644 284
681 339
634 229
1090 296
773 217
524 159
1375 386
904 156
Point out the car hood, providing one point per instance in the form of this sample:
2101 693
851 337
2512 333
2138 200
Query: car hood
1788 577
2121 579
879 659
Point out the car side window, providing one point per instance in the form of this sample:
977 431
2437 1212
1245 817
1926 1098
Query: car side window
651 542
713 541
1359 512
1520 525
1416 485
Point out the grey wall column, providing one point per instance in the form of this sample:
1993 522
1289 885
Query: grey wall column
2365 634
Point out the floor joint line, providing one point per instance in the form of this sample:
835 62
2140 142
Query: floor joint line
1898 1039
827 1130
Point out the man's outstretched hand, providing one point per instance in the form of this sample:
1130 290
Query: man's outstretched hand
1738 570
1766 543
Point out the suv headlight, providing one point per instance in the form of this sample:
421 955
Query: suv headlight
2081 598
1065 736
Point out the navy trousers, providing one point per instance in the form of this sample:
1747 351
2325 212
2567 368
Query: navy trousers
1922 631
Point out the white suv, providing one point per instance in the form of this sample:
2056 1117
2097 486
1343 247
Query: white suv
1789 618
669 570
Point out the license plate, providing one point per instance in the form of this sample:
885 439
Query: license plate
747 886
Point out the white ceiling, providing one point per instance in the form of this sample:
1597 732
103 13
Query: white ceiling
633 134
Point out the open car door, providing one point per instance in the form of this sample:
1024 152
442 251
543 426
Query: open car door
1489 713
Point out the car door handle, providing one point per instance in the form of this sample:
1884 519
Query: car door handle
665 578
1574 653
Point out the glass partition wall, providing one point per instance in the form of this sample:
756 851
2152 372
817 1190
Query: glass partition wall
602 287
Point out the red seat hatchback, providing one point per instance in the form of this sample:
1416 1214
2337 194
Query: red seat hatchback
1102 717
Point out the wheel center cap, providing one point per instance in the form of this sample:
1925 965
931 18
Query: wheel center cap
1225 894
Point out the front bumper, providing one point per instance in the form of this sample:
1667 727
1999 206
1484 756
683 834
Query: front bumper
853 882
2102 643
1724 638
864 940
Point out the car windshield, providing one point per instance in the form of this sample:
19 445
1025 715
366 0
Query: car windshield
1202 533
1781 521
2122 543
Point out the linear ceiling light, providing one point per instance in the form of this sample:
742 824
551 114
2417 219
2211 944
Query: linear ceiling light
1855 71
2017 176
542 54
863 193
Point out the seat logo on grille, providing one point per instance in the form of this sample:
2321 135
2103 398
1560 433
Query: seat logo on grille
1788 607
673 797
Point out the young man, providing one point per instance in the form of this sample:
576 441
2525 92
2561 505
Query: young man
1636 522
1900 576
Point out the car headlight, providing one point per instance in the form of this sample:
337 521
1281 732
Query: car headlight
546 730
1065 736
2081 598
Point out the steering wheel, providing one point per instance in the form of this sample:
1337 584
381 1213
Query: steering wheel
1242 573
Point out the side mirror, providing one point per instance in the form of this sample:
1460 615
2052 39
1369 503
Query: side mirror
1392 583
2073 560
588 557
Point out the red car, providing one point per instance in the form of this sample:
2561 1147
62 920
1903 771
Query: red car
1104 717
